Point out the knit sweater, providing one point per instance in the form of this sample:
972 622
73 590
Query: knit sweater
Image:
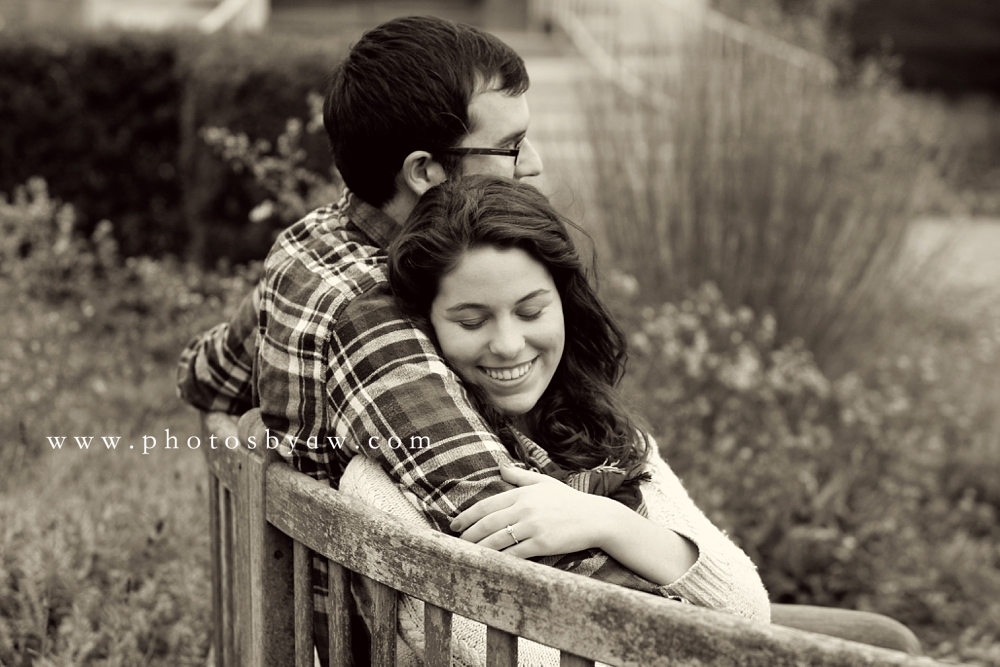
722 578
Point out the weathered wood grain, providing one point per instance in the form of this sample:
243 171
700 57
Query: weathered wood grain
239 497
570 660
501 648
590 619
228 598
215 546
437 635
303 605
221 461
339 613
271 570
383 624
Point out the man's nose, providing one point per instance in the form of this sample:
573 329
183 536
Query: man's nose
507 341
528 162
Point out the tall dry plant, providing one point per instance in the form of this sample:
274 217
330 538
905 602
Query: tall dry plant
789 193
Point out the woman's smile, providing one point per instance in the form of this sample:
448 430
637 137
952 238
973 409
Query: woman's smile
508 374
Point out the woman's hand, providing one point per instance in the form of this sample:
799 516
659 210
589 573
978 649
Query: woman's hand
545 516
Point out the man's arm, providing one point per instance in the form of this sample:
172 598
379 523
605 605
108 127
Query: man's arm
389 396
215 369
394 397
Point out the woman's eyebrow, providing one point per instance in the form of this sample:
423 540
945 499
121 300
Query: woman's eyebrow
532 295
480 306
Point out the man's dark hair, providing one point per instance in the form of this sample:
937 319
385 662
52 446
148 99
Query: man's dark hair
406 86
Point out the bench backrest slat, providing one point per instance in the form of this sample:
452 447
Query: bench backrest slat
303 604
215 547
501 648
383 623
231 619
437 634
339 604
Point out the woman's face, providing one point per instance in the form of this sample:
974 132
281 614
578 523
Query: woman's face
499 320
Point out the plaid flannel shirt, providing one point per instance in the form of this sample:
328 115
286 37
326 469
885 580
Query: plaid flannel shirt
337 370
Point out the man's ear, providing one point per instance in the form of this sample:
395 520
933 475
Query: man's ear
421 172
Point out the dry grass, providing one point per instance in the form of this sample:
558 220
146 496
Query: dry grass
791 195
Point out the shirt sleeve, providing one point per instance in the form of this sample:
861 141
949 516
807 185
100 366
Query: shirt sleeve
394 396
723 577
215 369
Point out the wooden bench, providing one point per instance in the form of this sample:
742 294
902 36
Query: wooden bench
265 517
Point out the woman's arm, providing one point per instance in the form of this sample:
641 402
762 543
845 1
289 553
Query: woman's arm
723 577
677 546
548 517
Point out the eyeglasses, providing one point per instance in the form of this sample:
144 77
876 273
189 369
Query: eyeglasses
503 152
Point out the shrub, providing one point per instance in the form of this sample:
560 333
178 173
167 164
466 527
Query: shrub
854 492
103 554
113 121
41 248
952 47
65 292
292 188
251 86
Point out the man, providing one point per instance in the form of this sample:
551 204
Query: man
320 345
335 369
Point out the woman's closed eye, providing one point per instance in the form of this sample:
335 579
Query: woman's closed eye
472 325
530 315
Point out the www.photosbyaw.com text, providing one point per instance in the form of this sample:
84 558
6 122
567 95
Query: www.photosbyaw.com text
289 442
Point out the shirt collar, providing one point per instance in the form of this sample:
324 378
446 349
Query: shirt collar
374 222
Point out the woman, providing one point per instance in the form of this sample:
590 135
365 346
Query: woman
488 268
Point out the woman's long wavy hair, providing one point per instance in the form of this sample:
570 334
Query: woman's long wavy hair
579 419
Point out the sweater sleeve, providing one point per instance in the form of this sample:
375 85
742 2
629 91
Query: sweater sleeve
723 577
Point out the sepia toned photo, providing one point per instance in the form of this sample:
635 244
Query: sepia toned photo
499 332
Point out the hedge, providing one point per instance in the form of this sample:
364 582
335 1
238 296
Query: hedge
97 117
111 121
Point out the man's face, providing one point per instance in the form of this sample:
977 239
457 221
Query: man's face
500 121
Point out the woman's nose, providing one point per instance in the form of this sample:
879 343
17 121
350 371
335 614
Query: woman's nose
507 342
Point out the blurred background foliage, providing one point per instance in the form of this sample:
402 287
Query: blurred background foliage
951 46
830 402
112 121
